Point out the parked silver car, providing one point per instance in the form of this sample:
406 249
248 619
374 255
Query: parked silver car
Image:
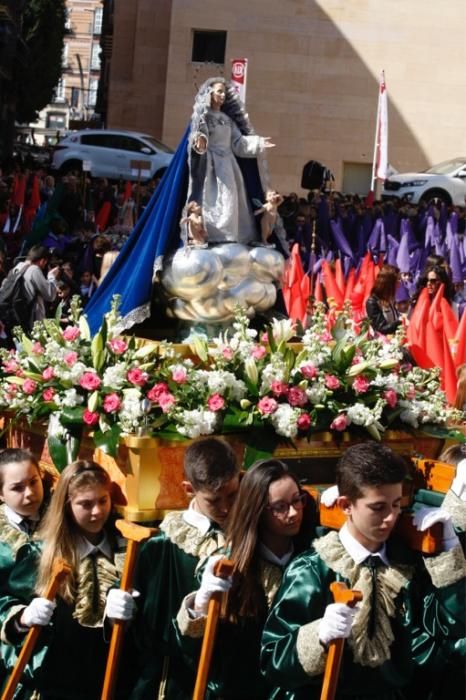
445 181
112 153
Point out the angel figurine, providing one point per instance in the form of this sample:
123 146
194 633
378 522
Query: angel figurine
269 212
197 234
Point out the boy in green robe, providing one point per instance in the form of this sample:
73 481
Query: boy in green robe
166 569
412 613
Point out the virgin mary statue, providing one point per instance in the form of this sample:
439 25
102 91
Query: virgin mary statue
220 164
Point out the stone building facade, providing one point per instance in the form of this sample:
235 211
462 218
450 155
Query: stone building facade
314 67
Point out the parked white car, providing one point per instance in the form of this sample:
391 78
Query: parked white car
111 153
445 181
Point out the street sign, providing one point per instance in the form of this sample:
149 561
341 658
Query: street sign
87 166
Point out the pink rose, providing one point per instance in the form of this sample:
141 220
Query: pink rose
37 348
391 398
90 417
48 374
71 333
48 394
118 346
332 382
304 421
267 405
339 423
112 403
29 386
70 358
326 337
90 381
137 376
166 401
228 353
297 396
157 390
179 375
216 402
361 385
309 371
258 352
11 366
265 338
279 388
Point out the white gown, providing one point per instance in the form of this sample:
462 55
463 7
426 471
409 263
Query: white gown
227 213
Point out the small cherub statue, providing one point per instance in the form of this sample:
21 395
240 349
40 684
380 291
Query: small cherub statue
269 212
197 234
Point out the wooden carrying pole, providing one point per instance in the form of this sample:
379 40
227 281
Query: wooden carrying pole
223 569
135 534
341 594
60 571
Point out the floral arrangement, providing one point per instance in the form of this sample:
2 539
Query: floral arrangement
340 378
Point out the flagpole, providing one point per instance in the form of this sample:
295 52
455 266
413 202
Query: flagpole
374 159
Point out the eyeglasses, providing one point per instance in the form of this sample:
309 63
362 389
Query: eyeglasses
281 509
432 280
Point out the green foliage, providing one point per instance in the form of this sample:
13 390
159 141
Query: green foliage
40 70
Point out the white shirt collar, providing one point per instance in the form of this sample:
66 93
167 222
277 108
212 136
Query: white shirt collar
355 549
269 556
85 548
197 519
16 520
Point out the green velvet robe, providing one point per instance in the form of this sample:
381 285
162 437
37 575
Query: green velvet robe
70 656
165 574
419 624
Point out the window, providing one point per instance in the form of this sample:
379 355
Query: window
98 20
65 55
95 57
56 120
75 97
59 95
209 46
93 87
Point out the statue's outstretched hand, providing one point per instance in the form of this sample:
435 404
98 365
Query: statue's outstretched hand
200 144
268 143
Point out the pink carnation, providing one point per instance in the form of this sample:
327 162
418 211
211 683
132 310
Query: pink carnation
48 374
70 358
391 398
137 376
216 402
267 405
29 386
326 337
332 382
258 352
90 381
112 403
37 348
339 423
309 371
156 392
90 417
71 333
166 401
179 375
304 421
297 396
361 385
48 394
118 346
227 353
279 388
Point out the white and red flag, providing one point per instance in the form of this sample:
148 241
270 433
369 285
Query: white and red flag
239 73
380 161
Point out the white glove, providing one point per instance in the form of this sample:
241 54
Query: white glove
210 584
459 482
426 517
38 612
329 496
120 605
336 622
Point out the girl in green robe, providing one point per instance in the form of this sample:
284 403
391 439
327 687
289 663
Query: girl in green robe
270 522
69 659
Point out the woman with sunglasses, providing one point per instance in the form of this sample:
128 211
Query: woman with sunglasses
271 521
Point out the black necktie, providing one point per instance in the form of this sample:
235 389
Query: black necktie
95 581
28 526
373 563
